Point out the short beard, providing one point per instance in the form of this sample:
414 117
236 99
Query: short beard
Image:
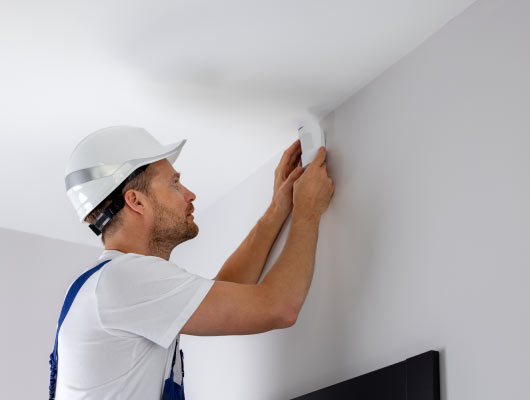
168 231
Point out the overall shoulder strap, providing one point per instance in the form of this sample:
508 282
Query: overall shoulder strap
74 289
70 296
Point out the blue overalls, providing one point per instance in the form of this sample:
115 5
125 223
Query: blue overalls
172 390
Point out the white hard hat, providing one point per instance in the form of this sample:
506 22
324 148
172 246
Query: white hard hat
103 160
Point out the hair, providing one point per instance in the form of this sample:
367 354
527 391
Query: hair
141 183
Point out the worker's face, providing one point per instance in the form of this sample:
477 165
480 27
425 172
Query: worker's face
171 206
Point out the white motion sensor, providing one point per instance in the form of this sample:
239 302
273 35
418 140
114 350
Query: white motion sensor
312 138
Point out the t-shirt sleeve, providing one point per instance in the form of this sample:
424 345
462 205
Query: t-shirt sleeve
148 296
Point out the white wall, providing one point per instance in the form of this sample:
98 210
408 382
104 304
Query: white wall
426 242
36 272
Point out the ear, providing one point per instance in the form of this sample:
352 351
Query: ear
135 200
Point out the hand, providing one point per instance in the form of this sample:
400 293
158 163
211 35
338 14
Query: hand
285 174
313 191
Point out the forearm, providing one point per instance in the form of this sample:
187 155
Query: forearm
246 264
290 277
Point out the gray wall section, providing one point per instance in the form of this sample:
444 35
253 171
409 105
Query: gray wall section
37 271
426 242
432 162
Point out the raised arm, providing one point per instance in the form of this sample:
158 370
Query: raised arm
238 309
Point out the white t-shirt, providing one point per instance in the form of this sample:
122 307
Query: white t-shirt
117 340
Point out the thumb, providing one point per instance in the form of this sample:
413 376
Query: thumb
320 156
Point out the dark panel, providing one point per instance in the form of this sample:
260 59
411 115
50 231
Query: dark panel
423 377
417 378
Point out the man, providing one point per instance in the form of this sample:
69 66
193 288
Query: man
120 337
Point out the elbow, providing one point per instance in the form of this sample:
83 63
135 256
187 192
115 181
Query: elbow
291 320
287 318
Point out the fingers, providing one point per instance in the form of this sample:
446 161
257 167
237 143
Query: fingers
295 153
294 148
290 159
296 143
297 157
320 158
291 152
295 174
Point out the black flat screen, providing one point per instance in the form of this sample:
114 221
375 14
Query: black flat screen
416 378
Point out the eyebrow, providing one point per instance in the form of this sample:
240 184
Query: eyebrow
175 175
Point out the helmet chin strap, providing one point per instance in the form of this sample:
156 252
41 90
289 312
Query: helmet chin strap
116 205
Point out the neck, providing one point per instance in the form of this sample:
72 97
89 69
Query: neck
133 243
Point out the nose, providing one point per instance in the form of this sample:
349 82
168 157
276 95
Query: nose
190 196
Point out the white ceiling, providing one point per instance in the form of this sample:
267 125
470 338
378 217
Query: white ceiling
231 76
